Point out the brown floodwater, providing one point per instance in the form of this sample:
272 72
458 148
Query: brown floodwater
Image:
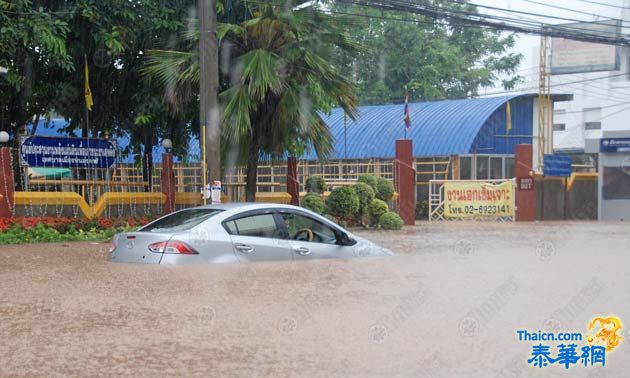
448 304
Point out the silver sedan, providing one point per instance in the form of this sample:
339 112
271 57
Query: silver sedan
236 232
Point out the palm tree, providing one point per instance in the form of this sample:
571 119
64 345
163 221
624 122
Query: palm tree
279 83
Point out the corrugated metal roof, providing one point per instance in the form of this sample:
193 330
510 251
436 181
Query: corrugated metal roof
438 128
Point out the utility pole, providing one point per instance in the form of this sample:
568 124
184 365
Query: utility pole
209 112
545 112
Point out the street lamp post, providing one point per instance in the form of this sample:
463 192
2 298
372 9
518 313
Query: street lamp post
167 178
7 185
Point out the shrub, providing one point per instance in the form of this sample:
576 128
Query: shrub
331 218
390 221
422 210
343 202
366 195
384 189
313 202
55 229
315 184
376 209
368 179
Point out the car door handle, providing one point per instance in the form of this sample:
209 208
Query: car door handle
244 248
303 251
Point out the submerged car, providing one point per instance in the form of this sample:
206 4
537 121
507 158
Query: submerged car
239 232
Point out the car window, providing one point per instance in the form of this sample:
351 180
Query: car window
180 221
299 226
262 225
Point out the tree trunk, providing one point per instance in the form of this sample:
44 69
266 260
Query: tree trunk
252 167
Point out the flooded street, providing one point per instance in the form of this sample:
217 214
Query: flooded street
448 304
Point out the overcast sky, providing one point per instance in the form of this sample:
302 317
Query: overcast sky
528 44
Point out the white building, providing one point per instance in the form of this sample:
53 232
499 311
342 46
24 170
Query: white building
601 99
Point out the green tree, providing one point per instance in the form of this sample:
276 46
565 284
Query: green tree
433 59
279 83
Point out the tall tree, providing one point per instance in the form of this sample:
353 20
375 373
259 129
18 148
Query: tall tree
279 82
432 58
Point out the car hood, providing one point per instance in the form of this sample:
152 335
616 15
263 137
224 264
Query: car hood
365 247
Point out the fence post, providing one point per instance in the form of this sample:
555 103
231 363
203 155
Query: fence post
167 182
525 184
293 185
7 185
405 181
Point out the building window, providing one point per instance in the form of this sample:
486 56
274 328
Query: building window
616 183
483 168
559 126
465 172
592 118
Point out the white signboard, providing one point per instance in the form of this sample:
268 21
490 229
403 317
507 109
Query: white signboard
570 56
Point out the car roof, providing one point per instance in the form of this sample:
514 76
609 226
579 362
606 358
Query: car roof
241 206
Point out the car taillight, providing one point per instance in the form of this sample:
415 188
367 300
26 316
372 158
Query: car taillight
172 246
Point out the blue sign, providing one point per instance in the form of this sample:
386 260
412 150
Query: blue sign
614 145
57 152
557 165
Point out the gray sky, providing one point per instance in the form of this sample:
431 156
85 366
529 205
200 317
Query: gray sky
528 44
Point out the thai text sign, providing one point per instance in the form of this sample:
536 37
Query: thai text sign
475 199
37 151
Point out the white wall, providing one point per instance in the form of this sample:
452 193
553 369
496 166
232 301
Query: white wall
604 100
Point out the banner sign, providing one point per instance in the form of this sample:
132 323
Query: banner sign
58 152
614 145
570 56
475 199
557 165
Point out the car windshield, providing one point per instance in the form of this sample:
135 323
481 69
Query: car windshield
180 221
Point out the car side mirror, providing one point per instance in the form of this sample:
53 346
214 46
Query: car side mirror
346 240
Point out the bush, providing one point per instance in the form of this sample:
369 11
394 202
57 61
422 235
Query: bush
377 208
366 195
390 221
343 202
384 189
422 210
315 184
331 218
368 179
57 229
313 202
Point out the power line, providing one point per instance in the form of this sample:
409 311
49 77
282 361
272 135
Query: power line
603 4
567 9
505 10
498 23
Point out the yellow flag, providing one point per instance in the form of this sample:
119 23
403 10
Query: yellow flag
87 91
508 117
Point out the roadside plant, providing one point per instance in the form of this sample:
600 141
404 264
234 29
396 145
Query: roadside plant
366 195
314 202
390 221
384 189
343 202
331 218
368 179
377 208
315 184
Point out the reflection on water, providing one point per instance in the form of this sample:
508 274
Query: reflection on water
65 311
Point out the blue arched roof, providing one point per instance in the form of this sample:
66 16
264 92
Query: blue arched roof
439 128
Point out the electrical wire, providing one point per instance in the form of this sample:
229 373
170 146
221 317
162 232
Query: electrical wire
505 10
602 4
566 9
477 19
